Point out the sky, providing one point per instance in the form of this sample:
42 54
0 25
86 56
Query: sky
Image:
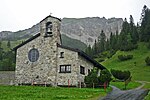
17 15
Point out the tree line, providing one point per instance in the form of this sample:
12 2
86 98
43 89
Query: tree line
127 40
7 58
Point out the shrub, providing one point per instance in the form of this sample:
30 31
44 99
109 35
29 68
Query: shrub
105 76
91 78
94 78
121 75
147 60
125 57
101 59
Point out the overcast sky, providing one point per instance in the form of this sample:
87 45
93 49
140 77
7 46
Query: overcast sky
22 14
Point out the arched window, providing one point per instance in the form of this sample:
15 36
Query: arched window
49 28
33 55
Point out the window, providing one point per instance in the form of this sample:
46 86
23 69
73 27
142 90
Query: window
49 27
65 68
61 54
89 71
33 55
82 70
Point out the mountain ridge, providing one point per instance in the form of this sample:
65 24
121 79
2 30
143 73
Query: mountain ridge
85 30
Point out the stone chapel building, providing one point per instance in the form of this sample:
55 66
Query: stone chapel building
43 58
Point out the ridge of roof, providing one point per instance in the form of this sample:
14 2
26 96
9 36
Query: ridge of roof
83 54
51 17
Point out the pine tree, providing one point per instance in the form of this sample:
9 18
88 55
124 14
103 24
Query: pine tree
8 44
145 24
107 45
89 51
102 41
117 40
123 39
95 48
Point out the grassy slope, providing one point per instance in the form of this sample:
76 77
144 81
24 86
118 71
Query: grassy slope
139 71
48 93
73 43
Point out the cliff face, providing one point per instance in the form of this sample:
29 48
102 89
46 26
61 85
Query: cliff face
84 29
88 29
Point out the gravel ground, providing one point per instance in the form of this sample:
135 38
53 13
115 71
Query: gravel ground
134 94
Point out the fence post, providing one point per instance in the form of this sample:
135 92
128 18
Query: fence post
105 86
93 85
68 83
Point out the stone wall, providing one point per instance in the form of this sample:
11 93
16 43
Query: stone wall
47 67
71 58
44 69
7 77
87 65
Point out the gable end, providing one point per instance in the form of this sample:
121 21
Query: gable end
25 42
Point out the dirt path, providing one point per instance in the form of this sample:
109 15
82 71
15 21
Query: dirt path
133 94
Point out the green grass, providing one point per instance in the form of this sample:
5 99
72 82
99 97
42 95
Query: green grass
147 97
139 71
121 85
49 93
147 86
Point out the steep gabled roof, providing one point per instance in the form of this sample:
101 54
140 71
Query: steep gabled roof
51 17
83 54
25 42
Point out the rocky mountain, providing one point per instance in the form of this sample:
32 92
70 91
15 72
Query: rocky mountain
84 29
21 34
88 29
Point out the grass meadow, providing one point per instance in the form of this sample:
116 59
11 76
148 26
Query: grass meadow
50 93
121 85
137 66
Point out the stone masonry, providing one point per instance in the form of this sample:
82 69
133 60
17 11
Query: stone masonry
47 67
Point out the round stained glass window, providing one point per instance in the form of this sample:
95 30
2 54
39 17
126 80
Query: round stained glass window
33 55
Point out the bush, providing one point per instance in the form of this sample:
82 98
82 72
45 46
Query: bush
91 78
125 57
147 60
105 76
121 75
101 59
94 78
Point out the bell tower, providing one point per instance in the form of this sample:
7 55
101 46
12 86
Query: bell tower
50 37
50 29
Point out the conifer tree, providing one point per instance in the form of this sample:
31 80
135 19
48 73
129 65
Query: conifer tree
89 51
133 31
8 44
102 41
145 24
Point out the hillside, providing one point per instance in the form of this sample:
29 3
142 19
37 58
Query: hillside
73 43
139 70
